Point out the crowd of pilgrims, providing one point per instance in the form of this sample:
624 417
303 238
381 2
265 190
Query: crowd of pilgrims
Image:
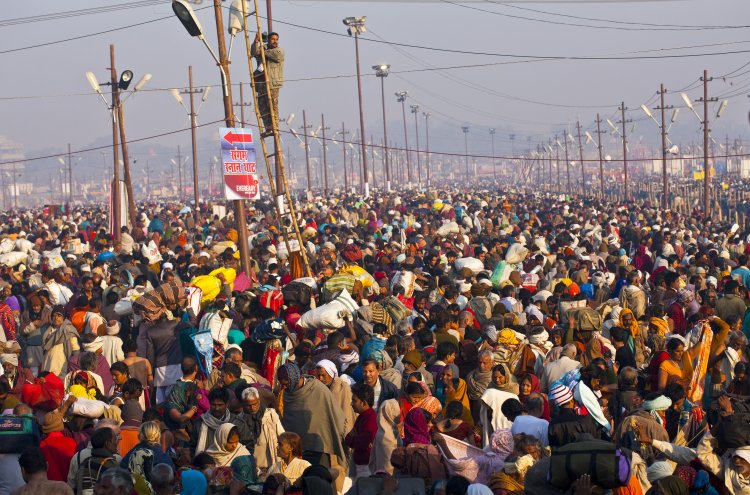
444 342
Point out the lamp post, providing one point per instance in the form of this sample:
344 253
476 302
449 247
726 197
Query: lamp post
415 111
427 145
355 27
184 12
465 129
494 168
401 98
118 118
381 71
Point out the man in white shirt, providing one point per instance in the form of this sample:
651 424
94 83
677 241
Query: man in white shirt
527 420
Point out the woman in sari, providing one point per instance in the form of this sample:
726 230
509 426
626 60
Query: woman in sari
226 446
679 365
529 385
417 394
451 388
185 403
419 458
635 339
503 379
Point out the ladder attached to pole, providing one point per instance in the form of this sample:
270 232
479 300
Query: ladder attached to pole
283 203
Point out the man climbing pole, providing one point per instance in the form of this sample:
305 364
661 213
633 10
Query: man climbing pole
268 104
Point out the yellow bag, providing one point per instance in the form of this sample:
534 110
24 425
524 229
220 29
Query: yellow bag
229 275
209 285
360 274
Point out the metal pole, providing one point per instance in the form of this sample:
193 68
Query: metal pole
196 196
325 155
583 167
706 168
601 158
179 173
557 163
402 99
427 147
15 188
343 146
239 205
624 151
115 151
494 163
365 180
307 150
567 160
385 138
70 178
664 188
466 151
415 111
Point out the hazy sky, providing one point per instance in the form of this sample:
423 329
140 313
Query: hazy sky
46 102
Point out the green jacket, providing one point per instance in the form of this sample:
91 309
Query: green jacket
274 64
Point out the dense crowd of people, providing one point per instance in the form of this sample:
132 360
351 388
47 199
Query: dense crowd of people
443 342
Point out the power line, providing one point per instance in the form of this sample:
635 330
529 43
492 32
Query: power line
659 27
79 12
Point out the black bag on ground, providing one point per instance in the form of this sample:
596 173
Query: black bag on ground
610 466
734 431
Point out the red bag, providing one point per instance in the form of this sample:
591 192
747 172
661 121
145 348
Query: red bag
273 300
45 393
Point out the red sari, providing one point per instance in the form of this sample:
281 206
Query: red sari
535 388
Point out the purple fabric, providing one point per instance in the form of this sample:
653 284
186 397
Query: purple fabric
13 303
415 428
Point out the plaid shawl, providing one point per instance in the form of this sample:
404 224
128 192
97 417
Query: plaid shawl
154 304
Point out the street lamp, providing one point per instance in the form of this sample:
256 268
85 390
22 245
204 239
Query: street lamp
466 150
381 71
401 98
415 111
355 27
118 122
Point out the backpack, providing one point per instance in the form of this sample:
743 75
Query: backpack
89 472
734 431
585 319
297 293
610 466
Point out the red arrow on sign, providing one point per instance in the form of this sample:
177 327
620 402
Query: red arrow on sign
232 138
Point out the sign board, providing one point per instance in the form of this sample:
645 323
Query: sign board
238 161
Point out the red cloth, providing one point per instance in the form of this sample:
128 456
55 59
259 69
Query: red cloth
8 321
58 450
678 316
362 435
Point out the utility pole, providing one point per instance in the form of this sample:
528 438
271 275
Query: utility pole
415 111
124 146
239 205
325 154
427 146
557 163
549 154
116 206
305 127
70 178
706 131
583 167
401 98
512 138
601 158
193 123
624 122
382 73
663 127
567 160
494 163
15 187
344 132
465 130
